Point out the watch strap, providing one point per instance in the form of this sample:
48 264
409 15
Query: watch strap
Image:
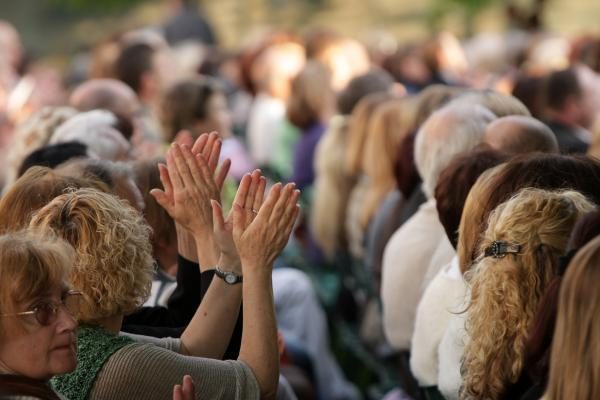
229 277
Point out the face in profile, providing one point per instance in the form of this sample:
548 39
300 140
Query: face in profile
38 340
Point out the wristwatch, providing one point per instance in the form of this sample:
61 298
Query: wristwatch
229 277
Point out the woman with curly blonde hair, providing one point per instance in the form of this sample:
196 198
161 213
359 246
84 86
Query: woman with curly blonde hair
113 270
575 359
520 252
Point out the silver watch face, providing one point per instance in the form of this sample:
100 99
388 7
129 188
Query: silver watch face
230 278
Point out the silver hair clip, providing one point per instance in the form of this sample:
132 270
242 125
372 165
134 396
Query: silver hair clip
499 249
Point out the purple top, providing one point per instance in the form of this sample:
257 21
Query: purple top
304 155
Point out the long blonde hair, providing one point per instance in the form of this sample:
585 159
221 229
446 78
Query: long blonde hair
359 130
575 357
391 122
505 291
331 189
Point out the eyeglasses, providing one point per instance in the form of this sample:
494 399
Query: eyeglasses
46 313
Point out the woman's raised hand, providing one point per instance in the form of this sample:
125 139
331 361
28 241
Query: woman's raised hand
250 196
185 391
190 184
259 241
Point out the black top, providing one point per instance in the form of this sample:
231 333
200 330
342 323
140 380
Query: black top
171 321
568 141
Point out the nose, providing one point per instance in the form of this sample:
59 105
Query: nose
66 321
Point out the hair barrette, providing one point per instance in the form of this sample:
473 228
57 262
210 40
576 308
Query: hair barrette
499 249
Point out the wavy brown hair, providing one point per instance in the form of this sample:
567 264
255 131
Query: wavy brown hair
575 359
505 291
113 266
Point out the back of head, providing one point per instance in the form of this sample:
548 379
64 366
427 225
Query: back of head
53 155
186 104
359 129
34 133
311 99
106 94
331 189
432 98
455 182
147 177
96 129
543 171
133 62
516 134
560 86
377 80
500 104
575 357
36 188
113 266
392 121
448 132
535 226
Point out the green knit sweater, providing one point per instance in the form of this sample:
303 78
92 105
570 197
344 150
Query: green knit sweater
94 347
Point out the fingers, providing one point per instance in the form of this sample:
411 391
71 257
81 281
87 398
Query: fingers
192 165
290 208
219 222
260 193
208 147
242 192
200 143
223 171
280 206
184 170
165 179
213 157
174 175
162 199
264 213
188 388
178 393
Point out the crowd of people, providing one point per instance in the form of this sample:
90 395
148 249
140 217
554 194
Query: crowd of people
304 217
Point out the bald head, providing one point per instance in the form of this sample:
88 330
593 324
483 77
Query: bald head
106 94
517 134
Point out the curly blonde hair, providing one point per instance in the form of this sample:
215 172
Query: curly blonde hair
505 291
113 265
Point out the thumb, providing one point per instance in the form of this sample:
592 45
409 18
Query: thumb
161 198
217 215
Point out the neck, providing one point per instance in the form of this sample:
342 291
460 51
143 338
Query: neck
112 324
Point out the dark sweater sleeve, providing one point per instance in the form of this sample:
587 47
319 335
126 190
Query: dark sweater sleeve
181 306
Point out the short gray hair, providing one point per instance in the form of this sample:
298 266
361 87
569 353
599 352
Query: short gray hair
451 130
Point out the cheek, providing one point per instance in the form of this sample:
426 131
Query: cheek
25 354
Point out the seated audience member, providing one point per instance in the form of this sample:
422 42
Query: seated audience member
33 133
38 312
446 290
105 94
516 134
543 171
36 188
518 257
574 358
38 317
53 155
100 221
98 131
500 104
199 105
565 111
309 108
333 183
536 361
408 254
118 176
163 236
390 122
144 68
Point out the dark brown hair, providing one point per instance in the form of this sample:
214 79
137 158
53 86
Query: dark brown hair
561 85
376 80
456 181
